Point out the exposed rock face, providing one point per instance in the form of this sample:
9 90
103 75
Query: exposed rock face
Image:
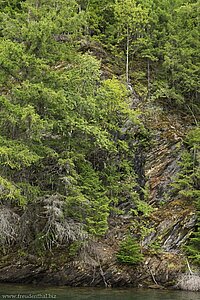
173 218
99 270
169 225
189 282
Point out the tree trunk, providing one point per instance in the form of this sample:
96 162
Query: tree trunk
148 79
127 57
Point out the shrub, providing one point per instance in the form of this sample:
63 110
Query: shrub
129 251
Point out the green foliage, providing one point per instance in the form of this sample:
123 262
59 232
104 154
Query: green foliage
129 252
99 16
192 249
163 45
155 247
74 248
9 191
187 182
142 207
15 155
178 44
188 186
132 19
89 203
63 128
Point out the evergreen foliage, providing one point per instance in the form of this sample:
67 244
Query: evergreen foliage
129 251
67 132
62 127
188 186
161 39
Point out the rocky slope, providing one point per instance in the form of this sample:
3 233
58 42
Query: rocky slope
164 230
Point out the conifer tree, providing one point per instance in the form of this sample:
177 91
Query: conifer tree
61 125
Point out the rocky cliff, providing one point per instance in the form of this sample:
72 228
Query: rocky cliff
162 232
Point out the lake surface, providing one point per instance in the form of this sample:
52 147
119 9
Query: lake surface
9 291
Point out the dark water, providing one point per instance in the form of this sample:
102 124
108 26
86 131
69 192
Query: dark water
66 293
